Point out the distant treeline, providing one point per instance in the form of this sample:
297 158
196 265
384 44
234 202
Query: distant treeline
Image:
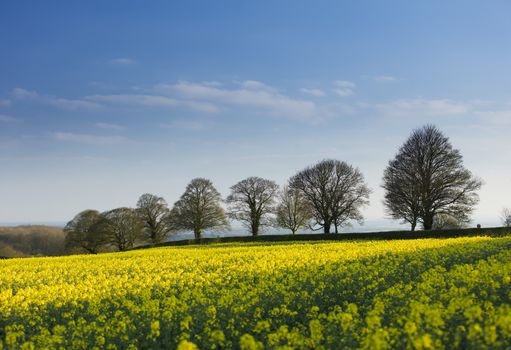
31 240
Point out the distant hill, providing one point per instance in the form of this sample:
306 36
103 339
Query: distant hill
31 240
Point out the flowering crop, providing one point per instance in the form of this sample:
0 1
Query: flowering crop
412 294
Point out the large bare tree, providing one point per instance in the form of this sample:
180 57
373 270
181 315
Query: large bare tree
84 232
154 212
427 178
252 201
199 209
293 211
335 191
122 227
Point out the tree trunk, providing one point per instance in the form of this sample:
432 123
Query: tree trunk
428 222
197 233
414 224
326 227
255 229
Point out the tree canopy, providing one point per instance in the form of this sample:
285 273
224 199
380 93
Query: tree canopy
199 209
154 213
335 190
427 178
84 232
122 227
252 201
293 211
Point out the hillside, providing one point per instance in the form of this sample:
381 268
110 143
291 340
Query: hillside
426 293
31 240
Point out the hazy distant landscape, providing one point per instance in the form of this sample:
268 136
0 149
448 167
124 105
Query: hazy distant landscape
33 240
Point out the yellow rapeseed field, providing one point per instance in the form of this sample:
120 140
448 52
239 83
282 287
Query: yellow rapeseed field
403 294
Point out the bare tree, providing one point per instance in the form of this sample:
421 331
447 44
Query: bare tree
293 211
84 232
427 178
154 212
199 209
252 201
122 227
506 217
334 190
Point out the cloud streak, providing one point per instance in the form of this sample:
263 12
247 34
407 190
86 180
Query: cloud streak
148 100
58 102
88 139
203 97
344 88
250 94
123 61
313 92
193 125
423 107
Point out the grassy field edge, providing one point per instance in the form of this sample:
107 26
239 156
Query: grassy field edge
389 235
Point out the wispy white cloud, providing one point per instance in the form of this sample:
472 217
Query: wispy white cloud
380 78
7 119
5 103
250 94
423 107
59 102
256 85
344 88
313 92
122 61
185 125
109 126
212 83
70 104
151 101
97 101
22 94
134 99
88 139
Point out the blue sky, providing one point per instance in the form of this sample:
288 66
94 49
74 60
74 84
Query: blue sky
101 101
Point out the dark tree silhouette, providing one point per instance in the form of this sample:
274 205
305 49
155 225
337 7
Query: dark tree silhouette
199 209
293 211
84 232
122 227
154 212
427 178
335 192
252 201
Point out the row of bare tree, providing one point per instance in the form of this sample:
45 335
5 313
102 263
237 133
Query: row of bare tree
425 183
327 194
